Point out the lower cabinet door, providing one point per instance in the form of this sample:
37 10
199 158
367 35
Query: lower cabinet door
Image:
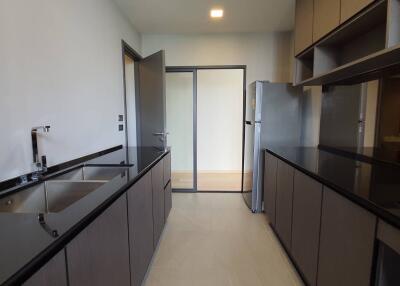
167 200
307 201
99 255
167 168
52 273
271 165
284 199
140 216
346 242
158 200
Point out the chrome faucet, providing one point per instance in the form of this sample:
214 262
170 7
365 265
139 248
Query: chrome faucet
40 165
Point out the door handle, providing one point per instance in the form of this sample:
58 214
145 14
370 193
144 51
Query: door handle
161 133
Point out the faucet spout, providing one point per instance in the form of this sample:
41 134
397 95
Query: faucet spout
41 166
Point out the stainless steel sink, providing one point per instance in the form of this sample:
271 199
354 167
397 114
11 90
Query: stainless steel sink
93 173
49 197
58 193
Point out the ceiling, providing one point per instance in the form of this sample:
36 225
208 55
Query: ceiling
192 16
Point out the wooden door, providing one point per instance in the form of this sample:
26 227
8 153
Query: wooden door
150 102
349 8
52 273
307 201
284 199
140 216
99 255
326 17
271 165
346 242
158 200
303 35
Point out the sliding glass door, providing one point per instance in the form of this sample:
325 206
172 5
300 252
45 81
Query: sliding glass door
179 117
204 115
219 129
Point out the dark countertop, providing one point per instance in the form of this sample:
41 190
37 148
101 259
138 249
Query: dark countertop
375 187
384 155
25 246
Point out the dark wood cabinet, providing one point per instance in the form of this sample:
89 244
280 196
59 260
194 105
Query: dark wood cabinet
326 17
271 165
117 247
284 200
158 200
99 255
346 242
140 216
167 200
303 34
52 273
167 168
307 201
348 8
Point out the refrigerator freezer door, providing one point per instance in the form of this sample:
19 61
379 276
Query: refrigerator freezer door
254 102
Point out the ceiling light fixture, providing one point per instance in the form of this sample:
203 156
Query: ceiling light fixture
217 13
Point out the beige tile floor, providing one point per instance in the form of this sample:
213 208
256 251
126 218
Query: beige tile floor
213 239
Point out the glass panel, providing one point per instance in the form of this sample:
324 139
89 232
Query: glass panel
179 97
219 129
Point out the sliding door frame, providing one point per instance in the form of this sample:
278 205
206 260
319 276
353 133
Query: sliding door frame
194 69
194 118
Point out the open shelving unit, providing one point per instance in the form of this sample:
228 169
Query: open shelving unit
364 47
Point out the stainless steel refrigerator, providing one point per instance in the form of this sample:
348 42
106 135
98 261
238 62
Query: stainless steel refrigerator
273 118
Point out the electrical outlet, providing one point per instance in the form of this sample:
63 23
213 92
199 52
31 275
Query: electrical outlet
120 118
120 127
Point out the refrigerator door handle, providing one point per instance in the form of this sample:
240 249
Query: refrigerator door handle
251 122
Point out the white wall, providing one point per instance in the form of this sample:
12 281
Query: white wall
268 56
60 64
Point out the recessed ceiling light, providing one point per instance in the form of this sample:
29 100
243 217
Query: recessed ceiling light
217 13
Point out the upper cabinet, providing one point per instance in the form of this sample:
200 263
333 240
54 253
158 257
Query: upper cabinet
352 41
349 8
326 17
303 36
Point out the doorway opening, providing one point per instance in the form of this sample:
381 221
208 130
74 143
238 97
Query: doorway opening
205 115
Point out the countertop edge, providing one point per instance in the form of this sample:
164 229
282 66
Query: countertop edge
379 212
49 252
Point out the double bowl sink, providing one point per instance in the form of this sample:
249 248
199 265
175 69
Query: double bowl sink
56 194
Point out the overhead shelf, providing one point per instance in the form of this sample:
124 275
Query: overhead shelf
367 68
365 47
